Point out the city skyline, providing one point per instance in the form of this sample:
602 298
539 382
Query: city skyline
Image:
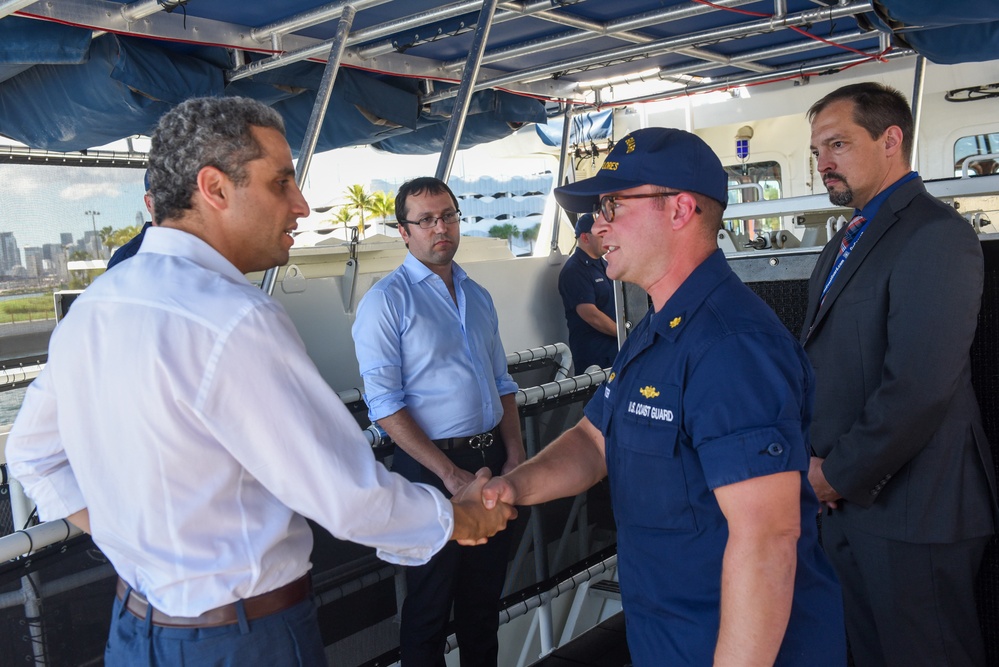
38 204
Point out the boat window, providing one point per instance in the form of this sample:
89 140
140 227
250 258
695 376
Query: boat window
977 144
750 182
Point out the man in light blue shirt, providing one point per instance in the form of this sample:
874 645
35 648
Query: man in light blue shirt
435 378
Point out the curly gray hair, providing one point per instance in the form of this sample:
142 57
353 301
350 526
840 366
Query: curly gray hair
203 132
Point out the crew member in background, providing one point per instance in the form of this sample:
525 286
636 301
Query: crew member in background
588 297
435 378
901 458
702 427
132 246
180 420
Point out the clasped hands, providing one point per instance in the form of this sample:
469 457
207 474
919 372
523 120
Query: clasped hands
477 515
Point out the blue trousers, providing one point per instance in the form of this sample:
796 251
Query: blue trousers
289 638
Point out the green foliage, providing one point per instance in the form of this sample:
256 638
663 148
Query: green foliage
106 234
120 237
341 216
359 201
531 234
383 205
27 309
505 231
80 279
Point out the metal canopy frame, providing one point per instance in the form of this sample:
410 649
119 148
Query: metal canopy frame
694 37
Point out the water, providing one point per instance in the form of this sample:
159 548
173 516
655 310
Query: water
10 403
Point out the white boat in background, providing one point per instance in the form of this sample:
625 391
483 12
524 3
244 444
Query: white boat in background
82 81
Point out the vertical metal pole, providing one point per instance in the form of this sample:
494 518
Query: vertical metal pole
318 114
563 156
919 78
21 508
545 625
465 88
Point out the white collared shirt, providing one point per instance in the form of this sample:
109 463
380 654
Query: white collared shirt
180 407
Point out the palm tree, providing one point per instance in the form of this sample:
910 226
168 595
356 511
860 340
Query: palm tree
383 205
122 236
505 231
80 280
531 235
360 201
343 216
107 240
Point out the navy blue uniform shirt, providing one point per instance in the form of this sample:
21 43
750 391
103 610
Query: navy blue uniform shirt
710 391
584 280
130 248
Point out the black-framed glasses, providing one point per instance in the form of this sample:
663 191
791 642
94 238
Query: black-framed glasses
430 221
608 203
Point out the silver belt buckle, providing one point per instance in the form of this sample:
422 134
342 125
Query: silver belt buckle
481 441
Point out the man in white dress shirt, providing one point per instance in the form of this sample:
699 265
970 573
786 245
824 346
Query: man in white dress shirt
181 422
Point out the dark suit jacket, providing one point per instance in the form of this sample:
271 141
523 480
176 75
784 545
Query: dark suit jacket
896 417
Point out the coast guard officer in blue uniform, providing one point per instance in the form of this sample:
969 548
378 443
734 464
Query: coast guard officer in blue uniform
588 296
702 429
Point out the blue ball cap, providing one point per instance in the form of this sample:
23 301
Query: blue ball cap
584 224
145 180
662 156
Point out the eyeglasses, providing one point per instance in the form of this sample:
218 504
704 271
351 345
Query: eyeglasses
430 221
608 203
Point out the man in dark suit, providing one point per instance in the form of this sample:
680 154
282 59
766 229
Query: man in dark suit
900 457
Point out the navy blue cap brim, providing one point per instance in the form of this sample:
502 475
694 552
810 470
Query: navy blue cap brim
583 196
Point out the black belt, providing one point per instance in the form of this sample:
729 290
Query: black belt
478 441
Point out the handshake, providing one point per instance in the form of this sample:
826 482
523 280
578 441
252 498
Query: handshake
478 511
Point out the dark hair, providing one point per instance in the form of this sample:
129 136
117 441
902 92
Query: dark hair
418 186
203 132
876 107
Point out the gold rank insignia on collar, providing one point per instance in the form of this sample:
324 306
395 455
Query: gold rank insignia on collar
648 392
612 376
675 322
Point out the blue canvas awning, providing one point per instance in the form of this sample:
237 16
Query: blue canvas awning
80 73
946 33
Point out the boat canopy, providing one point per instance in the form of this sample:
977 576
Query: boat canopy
75 74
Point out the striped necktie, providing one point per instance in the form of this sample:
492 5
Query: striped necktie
852 229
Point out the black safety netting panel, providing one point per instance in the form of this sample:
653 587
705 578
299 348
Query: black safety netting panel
985 376
6 517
